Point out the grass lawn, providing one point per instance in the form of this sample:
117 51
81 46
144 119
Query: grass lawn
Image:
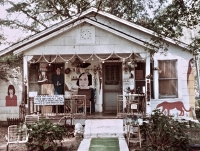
104 144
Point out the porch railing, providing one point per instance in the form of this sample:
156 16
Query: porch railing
130 104
44 105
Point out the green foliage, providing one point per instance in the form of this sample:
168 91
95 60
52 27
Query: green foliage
131 10
195 45
194 133
164 133
11 59
164 18
38 15
171 21
43 134
10 66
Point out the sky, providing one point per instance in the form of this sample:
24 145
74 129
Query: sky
11 35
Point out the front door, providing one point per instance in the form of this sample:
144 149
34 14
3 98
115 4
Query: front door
112 85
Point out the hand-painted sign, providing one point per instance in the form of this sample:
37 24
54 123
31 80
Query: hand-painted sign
49 100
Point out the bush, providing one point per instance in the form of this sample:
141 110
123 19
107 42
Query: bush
197 111
194 133
42 136
164 133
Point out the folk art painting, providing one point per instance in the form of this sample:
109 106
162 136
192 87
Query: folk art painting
173 105
11 98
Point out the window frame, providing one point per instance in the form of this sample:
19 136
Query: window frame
170 78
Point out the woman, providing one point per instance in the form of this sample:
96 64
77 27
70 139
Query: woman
190 81
84 82
11 98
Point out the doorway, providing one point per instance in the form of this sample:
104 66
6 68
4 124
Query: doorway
112 85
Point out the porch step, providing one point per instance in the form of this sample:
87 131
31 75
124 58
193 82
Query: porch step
103 128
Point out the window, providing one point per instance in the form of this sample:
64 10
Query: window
140 77
168 81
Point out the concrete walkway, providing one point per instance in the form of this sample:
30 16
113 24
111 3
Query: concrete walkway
103 128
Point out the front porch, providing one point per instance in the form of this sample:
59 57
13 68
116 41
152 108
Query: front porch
57 106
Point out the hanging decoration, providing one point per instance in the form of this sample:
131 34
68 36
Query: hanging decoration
83 62
84 65
79 64
125 57
76 63
67 59
105 58
49 60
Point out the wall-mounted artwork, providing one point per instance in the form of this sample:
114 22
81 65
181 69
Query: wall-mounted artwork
11 98
173 105
191 81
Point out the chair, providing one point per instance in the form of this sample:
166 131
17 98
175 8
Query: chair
120 102
134 107
133 134
17 134
88 93
79 104
31 119
132 104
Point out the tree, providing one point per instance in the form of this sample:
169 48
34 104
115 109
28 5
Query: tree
32 16
171 21
165 19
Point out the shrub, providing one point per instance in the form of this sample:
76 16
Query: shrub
194 133
164 133
197 111
42 136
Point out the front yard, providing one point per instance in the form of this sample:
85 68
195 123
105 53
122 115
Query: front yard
72 143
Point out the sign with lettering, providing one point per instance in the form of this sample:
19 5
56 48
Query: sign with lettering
49 100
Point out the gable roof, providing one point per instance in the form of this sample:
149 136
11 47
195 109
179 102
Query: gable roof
52 31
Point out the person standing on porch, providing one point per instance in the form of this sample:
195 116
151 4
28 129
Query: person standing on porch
58 82
84 82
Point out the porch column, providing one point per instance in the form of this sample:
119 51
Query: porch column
148 72
26 80
155 79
